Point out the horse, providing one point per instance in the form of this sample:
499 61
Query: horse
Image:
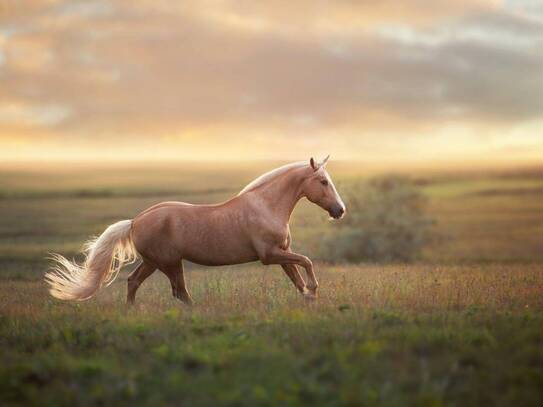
251 226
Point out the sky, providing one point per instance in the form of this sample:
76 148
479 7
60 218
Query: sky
374 81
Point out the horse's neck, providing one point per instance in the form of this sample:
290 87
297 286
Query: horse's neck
283 194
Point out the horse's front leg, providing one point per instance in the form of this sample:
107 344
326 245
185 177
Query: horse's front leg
284 257
292 272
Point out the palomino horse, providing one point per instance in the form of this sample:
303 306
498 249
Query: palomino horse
254 225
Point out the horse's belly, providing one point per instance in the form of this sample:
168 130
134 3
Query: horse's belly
220 260
213 251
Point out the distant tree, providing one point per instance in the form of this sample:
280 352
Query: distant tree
386 221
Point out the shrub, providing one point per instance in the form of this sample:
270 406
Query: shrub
386 222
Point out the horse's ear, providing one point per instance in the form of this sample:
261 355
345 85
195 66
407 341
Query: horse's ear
313 164
323 163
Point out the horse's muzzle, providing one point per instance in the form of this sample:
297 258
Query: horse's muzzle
337 212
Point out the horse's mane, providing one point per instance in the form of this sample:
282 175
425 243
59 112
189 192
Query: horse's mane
268 176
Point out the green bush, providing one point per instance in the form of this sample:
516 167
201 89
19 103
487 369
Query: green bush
386 222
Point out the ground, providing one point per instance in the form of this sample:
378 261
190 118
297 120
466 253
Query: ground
464 325
389 335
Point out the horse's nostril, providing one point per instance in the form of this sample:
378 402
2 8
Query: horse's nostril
337 212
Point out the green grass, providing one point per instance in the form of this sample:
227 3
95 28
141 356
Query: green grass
394 335
462 327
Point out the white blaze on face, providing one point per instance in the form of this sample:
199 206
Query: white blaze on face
338 199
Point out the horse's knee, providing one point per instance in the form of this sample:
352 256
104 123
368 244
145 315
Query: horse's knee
307 263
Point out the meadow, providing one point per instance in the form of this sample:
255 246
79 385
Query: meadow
461 326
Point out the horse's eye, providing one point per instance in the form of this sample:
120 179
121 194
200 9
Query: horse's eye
324 182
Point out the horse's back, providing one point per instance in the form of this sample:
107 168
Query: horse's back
163 205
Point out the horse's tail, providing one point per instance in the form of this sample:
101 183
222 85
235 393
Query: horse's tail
104 257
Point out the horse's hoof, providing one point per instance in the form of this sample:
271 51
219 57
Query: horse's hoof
187 301
308 296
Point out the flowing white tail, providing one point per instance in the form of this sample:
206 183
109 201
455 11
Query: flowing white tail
104 257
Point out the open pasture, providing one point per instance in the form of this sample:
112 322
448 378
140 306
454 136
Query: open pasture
378 335
462 326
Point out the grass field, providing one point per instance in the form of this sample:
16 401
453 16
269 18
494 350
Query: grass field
463 326
391 335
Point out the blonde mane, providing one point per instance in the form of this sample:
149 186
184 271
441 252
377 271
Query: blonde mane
268 176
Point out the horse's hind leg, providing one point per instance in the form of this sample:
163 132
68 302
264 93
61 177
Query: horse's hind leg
135 279
177 281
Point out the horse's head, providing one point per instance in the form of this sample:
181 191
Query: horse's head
320 190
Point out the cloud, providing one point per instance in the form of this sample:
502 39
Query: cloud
31 115
323 17
348 69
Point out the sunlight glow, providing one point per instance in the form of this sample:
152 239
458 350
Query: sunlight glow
383 83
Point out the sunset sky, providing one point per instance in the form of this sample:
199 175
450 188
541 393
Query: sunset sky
376 81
